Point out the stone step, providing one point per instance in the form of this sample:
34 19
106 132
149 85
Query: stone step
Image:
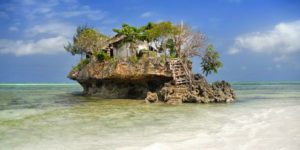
181 90
180 76
177 65
178 70
179 73
181 82
181 79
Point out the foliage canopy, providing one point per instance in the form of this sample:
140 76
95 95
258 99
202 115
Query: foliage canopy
179 40
210 61
86 40
102 56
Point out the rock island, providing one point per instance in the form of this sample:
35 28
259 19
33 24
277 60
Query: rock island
151 62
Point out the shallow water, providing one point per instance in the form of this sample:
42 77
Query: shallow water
55 116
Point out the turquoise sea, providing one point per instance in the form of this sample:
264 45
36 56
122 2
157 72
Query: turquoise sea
56 117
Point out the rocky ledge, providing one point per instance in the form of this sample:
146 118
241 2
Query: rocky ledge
150 79
199 92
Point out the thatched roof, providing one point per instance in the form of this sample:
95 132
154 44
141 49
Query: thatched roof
117 38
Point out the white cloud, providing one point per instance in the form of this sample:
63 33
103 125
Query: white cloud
51 45
233 50
281 41
13 29
76 11
56 28
146 14
281 58
40 10
47 27
84 11
51 40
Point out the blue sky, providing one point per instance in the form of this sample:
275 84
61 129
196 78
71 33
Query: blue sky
259 40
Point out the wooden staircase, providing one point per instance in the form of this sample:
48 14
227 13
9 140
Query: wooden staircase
181 75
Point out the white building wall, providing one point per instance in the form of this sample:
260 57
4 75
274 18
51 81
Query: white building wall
123 51
142 46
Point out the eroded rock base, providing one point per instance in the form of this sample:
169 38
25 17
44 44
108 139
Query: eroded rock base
125 88
199 92
152 79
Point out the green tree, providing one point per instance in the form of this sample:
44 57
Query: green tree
86 40
171 46
161 32
210 61
132 35
163 35
143 31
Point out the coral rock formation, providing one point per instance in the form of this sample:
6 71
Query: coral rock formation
151 79
200 91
